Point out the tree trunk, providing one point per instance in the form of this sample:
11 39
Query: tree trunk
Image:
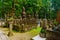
58 17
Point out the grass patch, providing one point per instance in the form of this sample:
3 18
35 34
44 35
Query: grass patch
32 32
35 32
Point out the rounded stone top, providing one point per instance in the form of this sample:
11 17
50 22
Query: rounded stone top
23 8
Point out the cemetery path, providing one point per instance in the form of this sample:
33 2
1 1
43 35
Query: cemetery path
21 36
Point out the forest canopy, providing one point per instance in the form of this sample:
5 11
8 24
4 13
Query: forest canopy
44 8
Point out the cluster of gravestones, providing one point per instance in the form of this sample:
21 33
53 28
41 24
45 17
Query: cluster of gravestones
52 30
24 24
47 24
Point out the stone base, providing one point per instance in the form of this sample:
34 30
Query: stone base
43 35
10 34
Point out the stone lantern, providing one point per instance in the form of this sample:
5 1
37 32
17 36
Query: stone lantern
10 21
23 13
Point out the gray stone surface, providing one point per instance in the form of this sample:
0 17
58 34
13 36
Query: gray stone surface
3 36
38 38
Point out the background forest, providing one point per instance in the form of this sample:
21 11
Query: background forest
44 8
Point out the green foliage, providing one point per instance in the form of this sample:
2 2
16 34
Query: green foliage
55 22
56 4
5 7
41 7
